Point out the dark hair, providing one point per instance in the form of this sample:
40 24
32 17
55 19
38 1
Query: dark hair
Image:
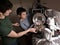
20 10
5 5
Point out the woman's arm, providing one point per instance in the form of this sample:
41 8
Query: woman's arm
16 35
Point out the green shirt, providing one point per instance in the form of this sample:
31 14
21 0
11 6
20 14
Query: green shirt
5 29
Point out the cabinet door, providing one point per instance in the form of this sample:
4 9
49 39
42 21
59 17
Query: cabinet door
54 4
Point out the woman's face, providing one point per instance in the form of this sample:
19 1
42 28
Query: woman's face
23 15
7 13
2 16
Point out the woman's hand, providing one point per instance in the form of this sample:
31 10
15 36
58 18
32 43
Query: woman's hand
32 30
15 24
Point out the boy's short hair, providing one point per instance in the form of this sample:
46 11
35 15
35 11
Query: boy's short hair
20 10
5 5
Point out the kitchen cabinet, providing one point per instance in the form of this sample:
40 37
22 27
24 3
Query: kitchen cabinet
54 4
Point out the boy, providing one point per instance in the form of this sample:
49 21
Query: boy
24 24
6 30
24 20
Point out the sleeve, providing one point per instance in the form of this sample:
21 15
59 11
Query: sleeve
56 27
5 30
48 30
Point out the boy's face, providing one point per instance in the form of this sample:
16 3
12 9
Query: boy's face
23 15
7 13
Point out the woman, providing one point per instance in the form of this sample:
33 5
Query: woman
6 30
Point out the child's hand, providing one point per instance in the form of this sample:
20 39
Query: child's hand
16 24
37 23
